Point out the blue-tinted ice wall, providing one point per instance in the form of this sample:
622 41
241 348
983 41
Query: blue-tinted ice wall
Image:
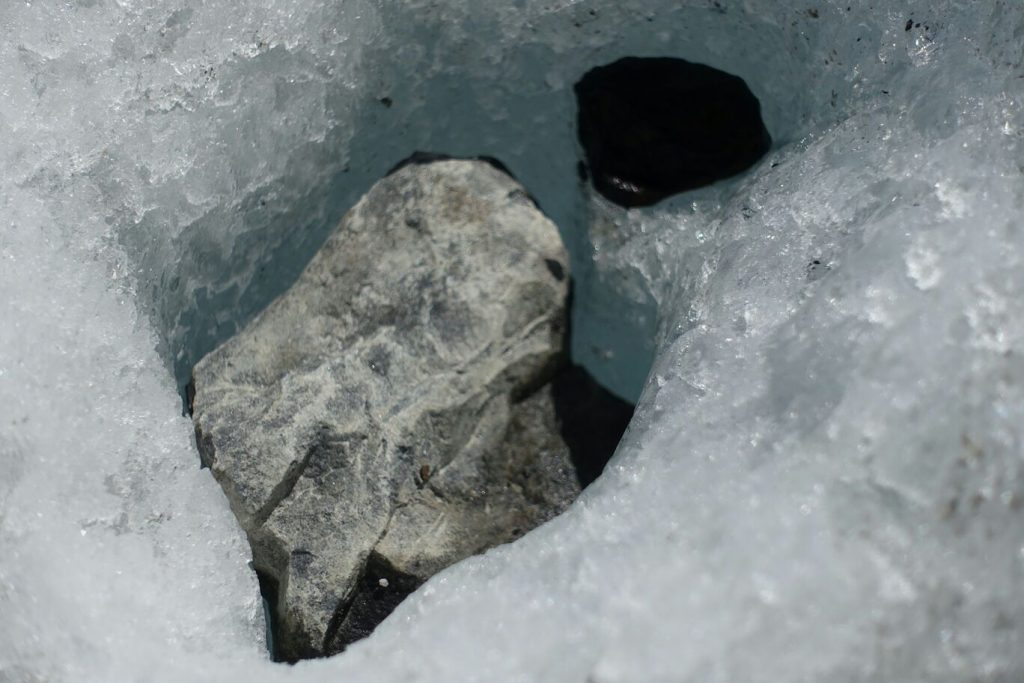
265 142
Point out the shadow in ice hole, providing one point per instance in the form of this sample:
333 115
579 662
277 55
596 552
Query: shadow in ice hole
655 126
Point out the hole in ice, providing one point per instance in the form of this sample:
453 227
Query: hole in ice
653 127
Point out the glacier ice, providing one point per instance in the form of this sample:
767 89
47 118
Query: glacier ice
824 478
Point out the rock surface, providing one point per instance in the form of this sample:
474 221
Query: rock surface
392 413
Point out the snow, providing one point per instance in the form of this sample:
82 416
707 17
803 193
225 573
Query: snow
825 476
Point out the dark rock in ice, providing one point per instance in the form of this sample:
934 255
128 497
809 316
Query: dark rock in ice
394 411
653 127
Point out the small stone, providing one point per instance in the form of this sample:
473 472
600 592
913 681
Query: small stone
383 583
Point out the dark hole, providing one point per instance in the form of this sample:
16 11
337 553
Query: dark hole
592 421
269 591
654 127
190 396
381 589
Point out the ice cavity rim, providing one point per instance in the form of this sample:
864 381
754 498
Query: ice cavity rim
202 308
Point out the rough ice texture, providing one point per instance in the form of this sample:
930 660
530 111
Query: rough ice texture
824 477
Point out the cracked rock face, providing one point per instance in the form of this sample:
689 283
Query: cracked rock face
392 413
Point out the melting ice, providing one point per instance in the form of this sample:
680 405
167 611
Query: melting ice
825 476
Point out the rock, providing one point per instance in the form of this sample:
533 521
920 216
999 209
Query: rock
652 127
393 412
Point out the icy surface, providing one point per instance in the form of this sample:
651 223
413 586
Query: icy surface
825 477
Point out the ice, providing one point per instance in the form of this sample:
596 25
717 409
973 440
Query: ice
824 479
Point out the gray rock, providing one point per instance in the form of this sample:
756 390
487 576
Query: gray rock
392 413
